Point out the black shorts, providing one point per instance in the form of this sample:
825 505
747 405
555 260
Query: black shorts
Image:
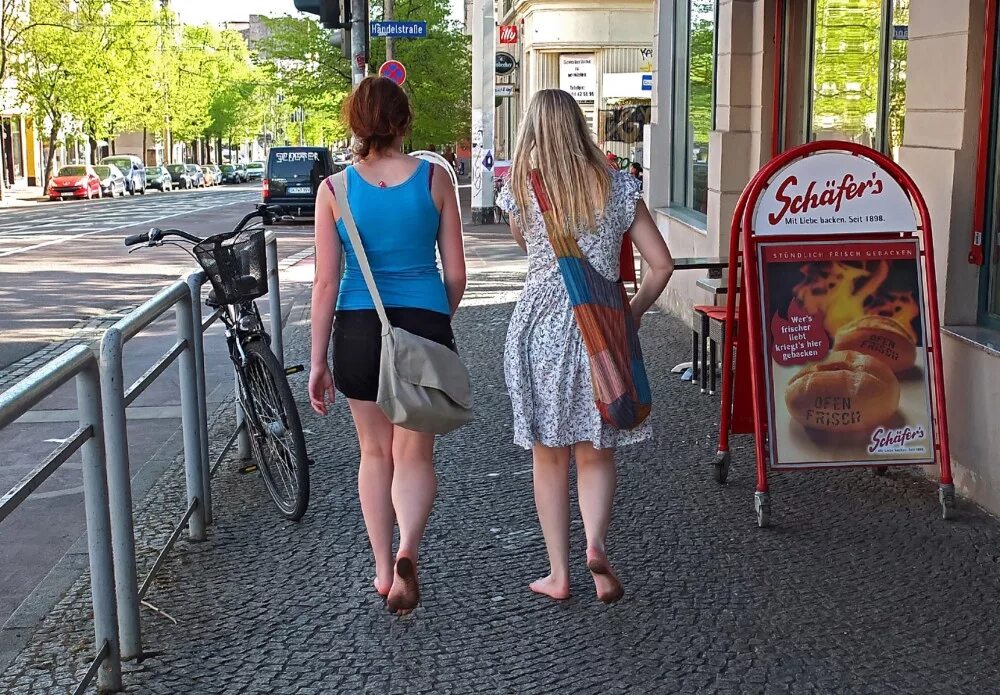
357 344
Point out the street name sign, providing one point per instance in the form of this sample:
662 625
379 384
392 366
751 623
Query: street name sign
398 30
505 90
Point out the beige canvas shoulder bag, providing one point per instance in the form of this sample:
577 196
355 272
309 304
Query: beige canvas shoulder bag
422 385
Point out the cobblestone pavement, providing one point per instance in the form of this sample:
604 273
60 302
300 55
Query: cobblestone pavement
858 588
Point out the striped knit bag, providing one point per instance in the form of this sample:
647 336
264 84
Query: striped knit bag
601 309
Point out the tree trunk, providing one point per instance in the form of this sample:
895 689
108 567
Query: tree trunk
3 167
51 154
218 149
144 149
93 148
114 142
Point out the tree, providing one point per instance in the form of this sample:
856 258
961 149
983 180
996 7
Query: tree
439 71
49 75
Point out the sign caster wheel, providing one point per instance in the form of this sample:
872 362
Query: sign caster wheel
762 505
946 496
721 465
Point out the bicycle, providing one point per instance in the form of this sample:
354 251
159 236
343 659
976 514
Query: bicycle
236 265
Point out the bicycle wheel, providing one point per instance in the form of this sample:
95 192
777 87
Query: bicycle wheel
275 430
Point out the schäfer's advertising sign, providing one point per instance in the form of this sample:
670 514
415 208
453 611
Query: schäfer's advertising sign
833 193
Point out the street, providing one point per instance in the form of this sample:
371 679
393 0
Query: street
65 276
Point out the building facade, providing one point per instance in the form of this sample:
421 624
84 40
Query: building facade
600 52
737 81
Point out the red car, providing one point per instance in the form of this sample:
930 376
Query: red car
75 181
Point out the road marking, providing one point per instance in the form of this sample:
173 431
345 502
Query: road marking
133 223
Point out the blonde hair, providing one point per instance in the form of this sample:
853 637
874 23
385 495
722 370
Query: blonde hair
554 138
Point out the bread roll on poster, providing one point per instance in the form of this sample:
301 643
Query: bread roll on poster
879 337
846 392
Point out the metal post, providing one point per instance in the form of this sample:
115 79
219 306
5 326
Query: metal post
274 300
483 107
359 34
390 43
243 438
120 493
95 500
193 466
194 282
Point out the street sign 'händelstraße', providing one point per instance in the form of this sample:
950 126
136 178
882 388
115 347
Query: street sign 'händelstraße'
399 30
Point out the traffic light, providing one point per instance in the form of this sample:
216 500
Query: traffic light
334 14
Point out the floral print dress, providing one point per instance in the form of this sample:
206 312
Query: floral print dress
545 361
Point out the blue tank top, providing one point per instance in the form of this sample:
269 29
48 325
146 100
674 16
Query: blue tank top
399 227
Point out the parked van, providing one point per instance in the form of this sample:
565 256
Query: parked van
294 175
132 168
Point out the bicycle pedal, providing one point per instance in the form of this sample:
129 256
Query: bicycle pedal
249 468
294 370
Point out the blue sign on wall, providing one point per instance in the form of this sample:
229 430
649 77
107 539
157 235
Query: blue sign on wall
647 83
398 30
901 32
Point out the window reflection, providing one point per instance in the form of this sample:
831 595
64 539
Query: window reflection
701 77
847 46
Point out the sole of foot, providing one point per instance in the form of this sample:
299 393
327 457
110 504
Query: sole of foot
609 588
404 595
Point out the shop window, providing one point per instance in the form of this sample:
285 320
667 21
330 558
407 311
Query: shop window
694 100
989 304
845 72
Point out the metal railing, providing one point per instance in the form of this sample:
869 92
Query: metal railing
102 437
77 363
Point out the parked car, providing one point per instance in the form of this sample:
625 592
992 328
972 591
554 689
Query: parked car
180 177
132 168
208 174
75 181
159 178
112 180
197 175
294 175
255 171
229 173
241 170
217 172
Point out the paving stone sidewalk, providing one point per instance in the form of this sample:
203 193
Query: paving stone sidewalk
858 588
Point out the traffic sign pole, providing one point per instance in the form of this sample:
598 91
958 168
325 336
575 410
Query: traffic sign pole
359 40
484 33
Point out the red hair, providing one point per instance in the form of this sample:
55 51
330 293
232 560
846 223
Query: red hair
377 112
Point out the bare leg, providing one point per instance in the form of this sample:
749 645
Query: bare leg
375 485
414 486
595 472
551 477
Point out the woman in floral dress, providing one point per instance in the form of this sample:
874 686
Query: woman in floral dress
545 361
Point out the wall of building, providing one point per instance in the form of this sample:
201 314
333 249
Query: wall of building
618 34
944 63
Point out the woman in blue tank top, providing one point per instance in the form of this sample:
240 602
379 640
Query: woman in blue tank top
406 212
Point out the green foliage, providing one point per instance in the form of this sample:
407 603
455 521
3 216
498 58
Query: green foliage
438 71
702 70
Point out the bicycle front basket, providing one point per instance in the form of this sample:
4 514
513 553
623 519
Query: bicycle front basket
236 265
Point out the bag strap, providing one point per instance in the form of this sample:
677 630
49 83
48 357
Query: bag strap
339 185
562 244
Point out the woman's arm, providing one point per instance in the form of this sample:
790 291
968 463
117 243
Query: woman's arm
450 241
660 265
515 231
326 285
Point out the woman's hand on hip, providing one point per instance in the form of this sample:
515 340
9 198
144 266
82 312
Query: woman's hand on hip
321 390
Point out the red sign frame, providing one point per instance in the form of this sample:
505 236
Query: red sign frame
746 410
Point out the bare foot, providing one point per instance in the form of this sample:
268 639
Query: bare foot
405 592
609 589
382 587
551 587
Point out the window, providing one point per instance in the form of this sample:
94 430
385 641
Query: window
989 295
853 79
694 102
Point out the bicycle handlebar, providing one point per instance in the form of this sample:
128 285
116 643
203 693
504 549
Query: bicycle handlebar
263 211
